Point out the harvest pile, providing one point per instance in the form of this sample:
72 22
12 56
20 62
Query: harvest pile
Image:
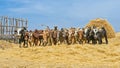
102 22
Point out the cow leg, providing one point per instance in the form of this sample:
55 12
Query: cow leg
24 43
74 41
106 39
67 40
27 43
30 43
93 41
88 41
49 41
20 43
54 41
34 42
40 42
101 41
80 41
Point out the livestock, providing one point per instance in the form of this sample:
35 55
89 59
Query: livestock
22 35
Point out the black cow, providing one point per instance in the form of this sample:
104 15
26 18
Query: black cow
102 33
23 37
88 34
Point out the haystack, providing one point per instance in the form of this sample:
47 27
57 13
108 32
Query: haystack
102 22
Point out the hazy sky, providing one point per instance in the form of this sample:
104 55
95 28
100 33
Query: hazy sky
63 13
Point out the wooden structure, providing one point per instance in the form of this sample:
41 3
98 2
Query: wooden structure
8 25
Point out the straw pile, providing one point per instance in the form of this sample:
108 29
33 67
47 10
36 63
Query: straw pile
102 22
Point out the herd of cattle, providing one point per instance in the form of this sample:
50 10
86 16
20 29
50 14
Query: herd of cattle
90 35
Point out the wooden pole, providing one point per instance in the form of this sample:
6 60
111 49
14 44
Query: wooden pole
10 28
22 21
26 23
6 25
0 27
16 23
19 23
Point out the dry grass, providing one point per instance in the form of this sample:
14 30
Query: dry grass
62 56
102 22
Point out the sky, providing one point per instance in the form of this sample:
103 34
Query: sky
62 13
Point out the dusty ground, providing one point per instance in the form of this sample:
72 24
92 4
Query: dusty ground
61 56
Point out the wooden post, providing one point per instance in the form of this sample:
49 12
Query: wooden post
13 28
12 22
19 23
6 25
10 28
26 23
0 27
22 21
16 23
3 28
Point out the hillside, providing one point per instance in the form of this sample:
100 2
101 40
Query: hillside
62 56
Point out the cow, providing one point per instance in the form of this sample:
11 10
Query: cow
93 34
86 32
81 36
66 36
46 37
37 37
99 34
22 35
50 37
72 35
55 35
30 40
61 36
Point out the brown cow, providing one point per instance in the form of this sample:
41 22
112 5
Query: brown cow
46 36
72 36
30 40
37 36
80 36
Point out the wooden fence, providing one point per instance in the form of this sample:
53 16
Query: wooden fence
8 25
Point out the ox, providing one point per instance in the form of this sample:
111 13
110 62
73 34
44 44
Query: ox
37 36
22 35
99 34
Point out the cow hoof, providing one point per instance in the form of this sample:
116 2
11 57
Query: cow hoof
25 46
